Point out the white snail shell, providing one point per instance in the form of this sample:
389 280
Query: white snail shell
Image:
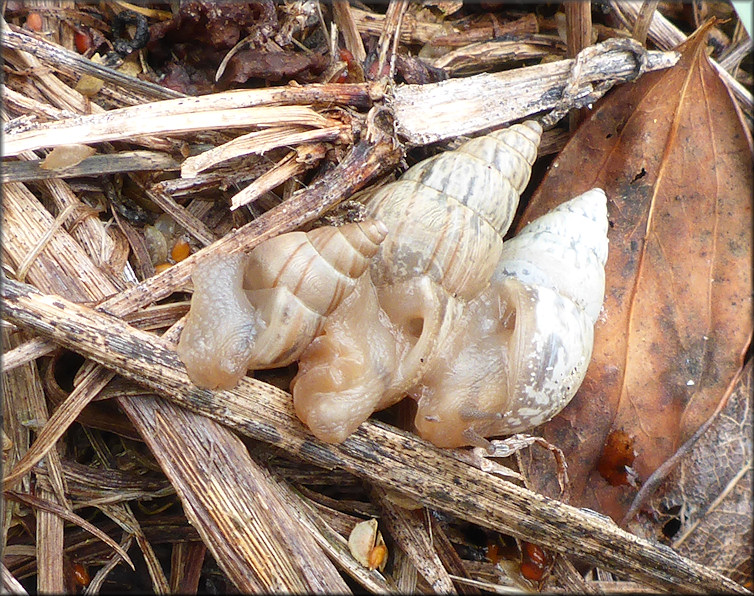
522 348
263 310
489 337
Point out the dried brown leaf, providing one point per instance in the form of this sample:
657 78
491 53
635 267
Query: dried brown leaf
675 161
709 493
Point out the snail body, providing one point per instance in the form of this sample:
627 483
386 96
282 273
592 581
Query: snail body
446 218
521 350
263 310
489 337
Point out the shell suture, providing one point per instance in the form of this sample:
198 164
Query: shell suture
424 299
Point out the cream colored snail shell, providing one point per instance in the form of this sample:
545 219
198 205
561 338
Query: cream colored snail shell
263 310
425 299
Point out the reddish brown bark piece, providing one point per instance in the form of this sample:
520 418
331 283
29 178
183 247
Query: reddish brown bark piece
675 161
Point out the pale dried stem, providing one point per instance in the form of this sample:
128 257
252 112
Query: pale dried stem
127 123
261 527
96 165
189 222
258 142
429 113
402 462
28 402
11 585
477 57
115 560
387 43
283 170
644 20
578 26
413 31
186 561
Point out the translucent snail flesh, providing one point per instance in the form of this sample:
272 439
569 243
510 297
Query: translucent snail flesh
446 218
489 337
263 310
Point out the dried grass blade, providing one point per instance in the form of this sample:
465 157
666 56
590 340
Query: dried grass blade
26 352
186 566
405 463
24 399
192 224
101 575
257 530
25 222
258 142
10 584
59 422
335 545
96 165
50 507
409 533
127 123
343 17
283 170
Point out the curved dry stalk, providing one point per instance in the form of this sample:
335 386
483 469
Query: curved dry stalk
376 451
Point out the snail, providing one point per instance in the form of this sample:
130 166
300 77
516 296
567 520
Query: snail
489 337
262 310
521 349
447 216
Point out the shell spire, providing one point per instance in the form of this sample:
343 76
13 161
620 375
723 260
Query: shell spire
452 210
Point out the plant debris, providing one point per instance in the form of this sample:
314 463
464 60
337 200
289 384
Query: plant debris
205 128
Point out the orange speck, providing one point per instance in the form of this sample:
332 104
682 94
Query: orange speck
346 56
162 267
534 561
493 552
617 458
181 250
81 575
377 556
34 21
83 41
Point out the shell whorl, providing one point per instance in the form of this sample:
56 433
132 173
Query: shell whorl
565 249
447 214
319 267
